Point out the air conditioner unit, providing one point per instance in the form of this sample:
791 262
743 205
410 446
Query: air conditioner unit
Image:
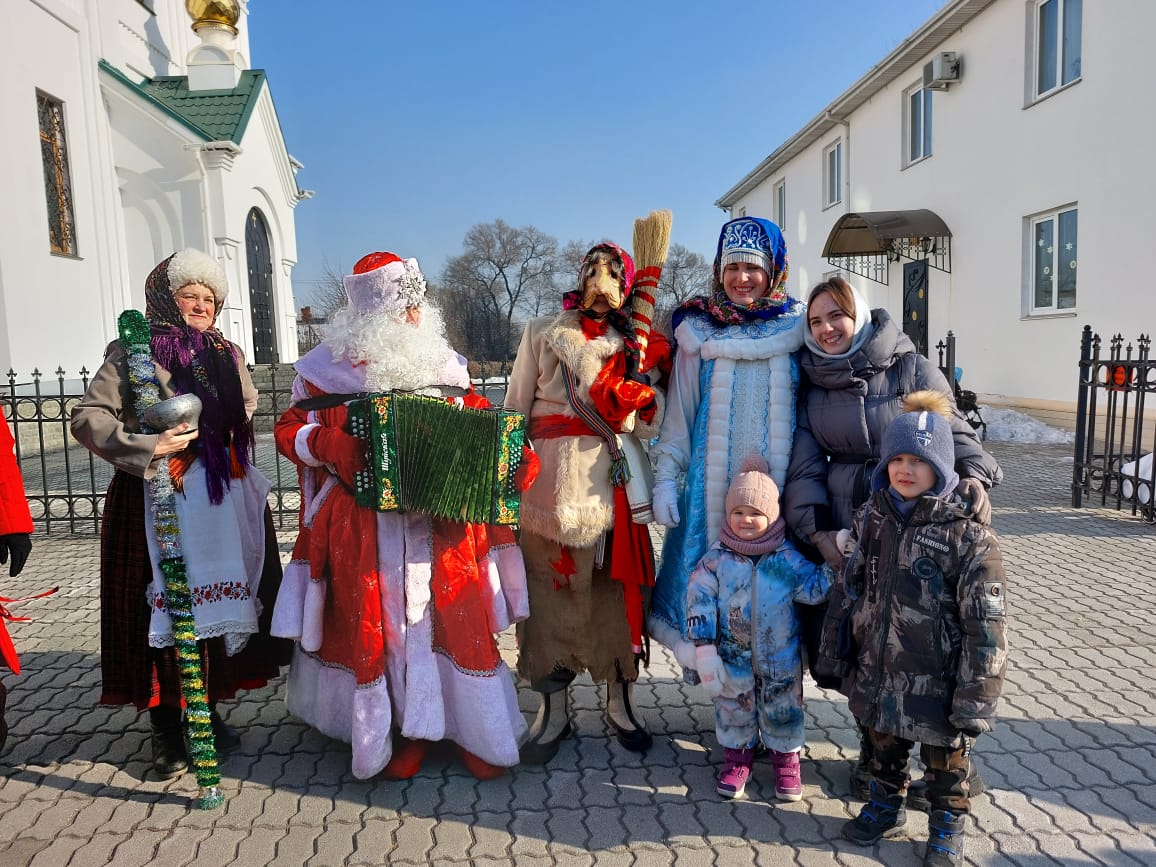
941 70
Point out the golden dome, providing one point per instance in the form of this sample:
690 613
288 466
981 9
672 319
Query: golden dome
213 12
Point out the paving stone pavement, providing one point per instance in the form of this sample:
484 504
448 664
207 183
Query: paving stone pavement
1071 769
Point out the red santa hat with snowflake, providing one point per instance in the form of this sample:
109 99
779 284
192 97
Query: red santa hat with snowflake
385 283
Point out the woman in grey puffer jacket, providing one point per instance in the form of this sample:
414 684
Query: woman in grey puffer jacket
857 366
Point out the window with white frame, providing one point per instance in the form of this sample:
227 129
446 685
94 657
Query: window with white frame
917 124
833 174
780 205
1058 24
1053 239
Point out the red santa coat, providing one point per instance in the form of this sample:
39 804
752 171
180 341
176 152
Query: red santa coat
14 514
14 518
394 613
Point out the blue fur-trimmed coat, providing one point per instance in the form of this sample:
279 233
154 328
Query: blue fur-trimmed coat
732 394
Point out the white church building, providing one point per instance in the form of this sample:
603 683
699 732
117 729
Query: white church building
989 176
133 128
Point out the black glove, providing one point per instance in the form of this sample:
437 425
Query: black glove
19 544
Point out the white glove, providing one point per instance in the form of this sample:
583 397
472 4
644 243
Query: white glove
710 668
664 501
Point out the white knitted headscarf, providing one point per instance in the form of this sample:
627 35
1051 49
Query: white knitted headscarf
863 329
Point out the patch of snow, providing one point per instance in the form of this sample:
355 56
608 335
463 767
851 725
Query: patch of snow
1142 469
1012 426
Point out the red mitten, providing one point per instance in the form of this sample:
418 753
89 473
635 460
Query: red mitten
529 468
344 453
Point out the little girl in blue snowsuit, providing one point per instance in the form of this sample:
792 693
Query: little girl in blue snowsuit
740 615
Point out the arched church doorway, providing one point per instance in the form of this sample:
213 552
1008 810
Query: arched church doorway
260 288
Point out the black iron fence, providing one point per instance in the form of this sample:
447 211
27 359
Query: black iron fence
965 399
1113 457
65 483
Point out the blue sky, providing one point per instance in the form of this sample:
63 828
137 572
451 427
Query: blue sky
417 120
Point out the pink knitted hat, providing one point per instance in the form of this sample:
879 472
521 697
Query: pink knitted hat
753 486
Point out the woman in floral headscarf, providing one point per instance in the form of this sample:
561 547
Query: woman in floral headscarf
230 551
732 394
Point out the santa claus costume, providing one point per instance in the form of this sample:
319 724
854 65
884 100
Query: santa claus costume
578 377
15 542
394 613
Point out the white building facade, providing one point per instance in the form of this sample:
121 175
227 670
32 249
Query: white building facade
1020 125
127 137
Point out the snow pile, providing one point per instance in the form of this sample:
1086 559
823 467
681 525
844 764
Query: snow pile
1011 426
1142 469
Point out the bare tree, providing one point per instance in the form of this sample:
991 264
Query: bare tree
325 298
570 262
684 275
502 272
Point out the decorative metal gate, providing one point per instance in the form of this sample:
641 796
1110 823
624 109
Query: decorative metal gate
915 303
1111 464
260 289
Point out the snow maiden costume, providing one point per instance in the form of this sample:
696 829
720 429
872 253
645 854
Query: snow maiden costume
219 500
732 394
589 566
394 613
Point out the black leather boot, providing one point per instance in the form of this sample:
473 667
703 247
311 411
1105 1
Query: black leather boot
170 759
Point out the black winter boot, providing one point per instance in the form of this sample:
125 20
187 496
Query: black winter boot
945 835
882 816
917 790
170 758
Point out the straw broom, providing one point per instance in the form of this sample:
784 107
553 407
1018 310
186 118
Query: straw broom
651 243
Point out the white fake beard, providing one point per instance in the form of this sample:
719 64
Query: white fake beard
397 354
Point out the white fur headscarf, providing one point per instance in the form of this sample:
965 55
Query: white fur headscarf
192 266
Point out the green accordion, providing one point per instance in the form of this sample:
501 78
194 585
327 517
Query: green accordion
427 455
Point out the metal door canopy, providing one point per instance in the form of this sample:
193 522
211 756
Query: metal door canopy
865 243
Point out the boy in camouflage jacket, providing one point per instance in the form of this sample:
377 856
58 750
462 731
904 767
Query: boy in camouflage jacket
917 628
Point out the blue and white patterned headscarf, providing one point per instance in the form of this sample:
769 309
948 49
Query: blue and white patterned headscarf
754 241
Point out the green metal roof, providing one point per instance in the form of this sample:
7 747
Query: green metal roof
214 115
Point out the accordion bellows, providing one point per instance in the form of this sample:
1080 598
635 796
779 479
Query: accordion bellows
427 455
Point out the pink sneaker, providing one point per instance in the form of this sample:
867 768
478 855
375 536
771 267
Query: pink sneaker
788 777
736 770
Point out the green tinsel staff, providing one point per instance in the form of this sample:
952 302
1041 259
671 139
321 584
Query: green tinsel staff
134 337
